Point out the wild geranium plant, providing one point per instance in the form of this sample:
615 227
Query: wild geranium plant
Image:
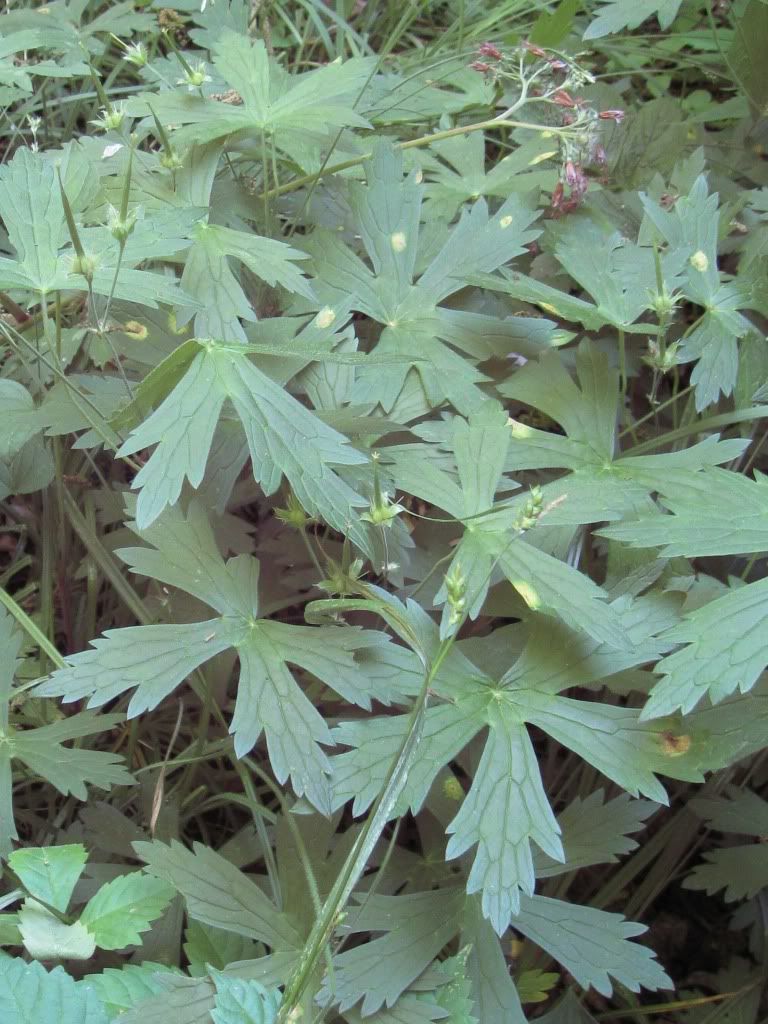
383 524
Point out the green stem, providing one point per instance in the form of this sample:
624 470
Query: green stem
423 140
725 419
32 630
357 859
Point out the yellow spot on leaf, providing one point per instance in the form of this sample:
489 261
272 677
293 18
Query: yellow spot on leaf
519 430
399 241
675 744
135 330
505 221
542 157
325 317
528 594
453 788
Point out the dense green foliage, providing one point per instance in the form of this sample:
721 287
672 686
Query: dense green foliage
384 621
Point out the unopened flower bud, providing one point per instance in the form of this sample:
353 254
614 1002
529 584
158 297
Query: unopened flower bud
564 99
84 265
489 50
121 228
293 514
612 115
456 589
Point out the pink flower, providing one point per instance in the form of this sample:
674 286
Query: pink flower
480 65
612 115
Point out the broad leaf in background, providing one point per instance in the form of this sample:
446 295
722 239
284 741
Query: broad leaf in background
742 871
726 644
299 114
25 461
31 208
616 15
591 944
219 894
603 484
41 749
156 659
690 228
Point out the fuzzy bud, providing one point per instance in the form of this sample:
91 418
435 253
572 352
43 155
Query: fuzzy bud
489 50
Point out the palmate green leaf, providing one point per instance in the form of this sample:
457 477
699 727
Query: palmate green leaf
616 15
208 276
31 995
243 1002
595 831
284 439
726 650
408 303
300 114
32 210
545 583
156 659
504 812
690 228
619 276
588 414
416 929
741 870
216 249
534 986
461 175
714 513
506 809
591 945
219 894
50 873
124 908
